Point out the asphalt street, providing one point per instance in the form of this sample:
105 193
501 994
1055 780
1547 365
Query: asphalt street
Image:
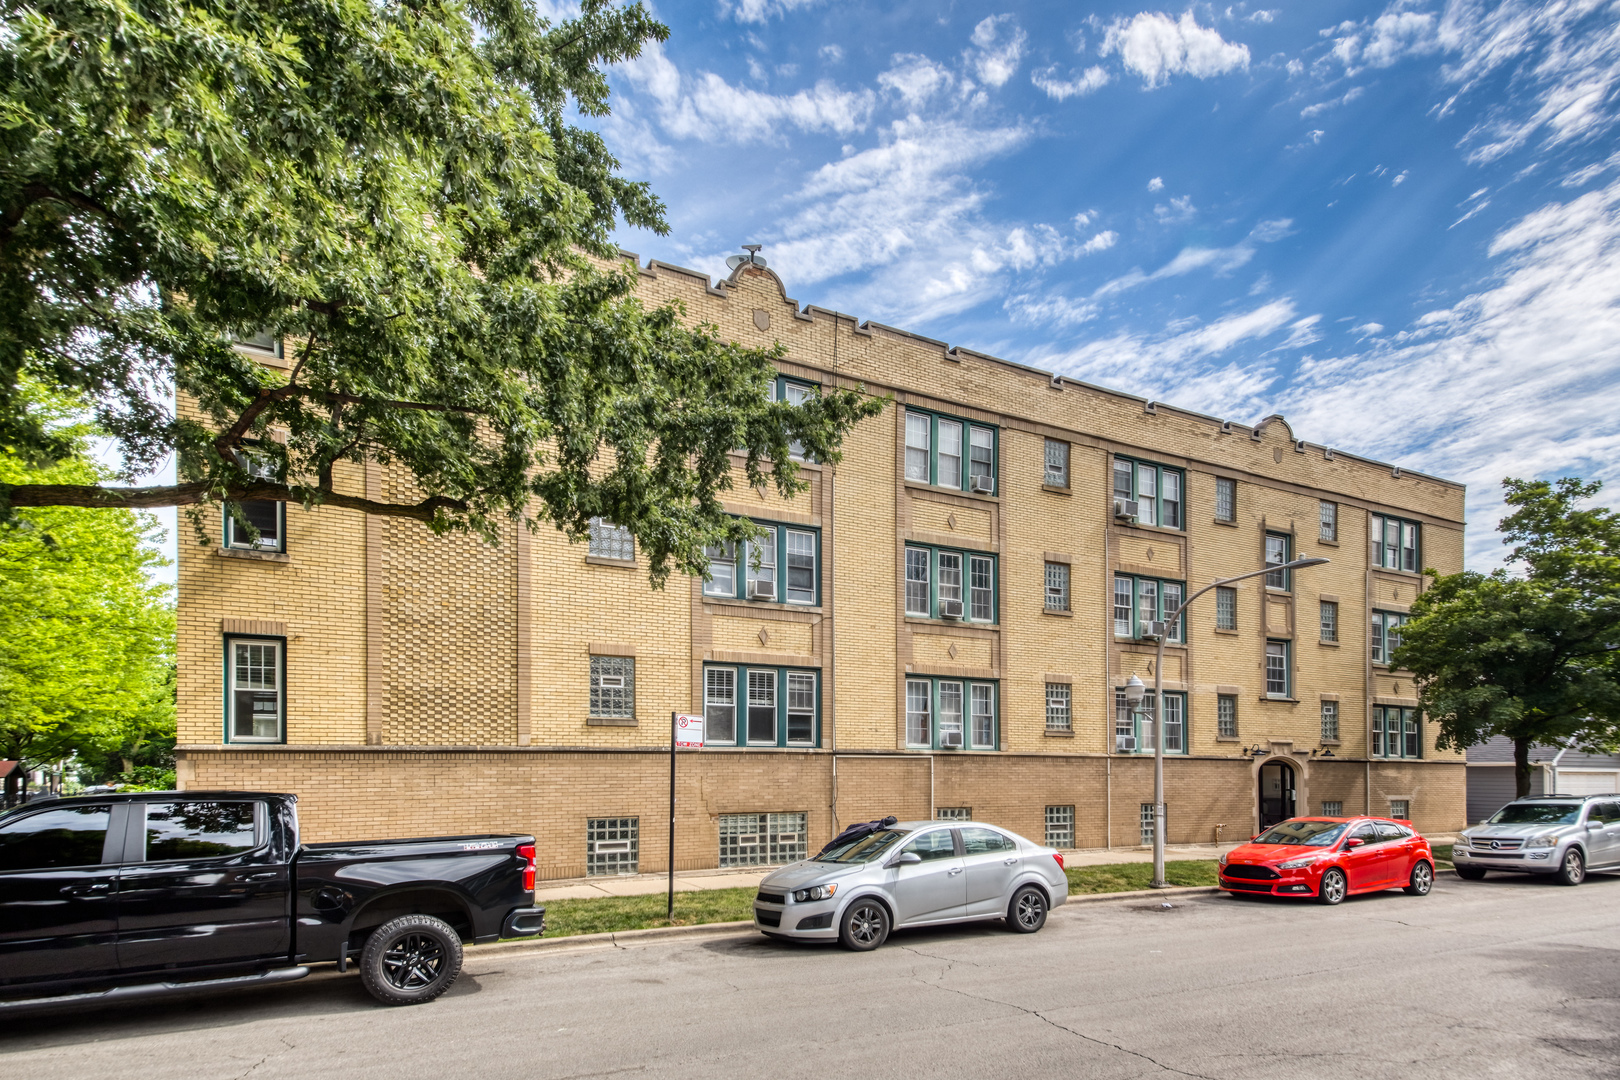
1509 977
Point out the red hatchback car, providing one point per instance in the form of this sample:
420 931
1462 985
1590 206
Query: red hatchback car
1330 858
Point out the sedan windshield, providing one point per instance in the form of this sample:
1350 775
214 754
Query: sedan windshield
867 848
1536 814
1303 833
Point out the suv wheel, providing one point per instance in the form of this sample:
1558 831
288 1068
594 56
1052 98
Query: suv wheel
1421 881
410 960
1471 873
865 925
1572 871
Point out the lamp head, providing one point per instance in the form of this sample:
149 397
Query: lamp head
1134 689
1300 564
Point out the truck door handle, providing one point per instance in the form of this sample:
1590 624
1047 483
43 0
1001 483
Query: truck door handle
86 890
260 877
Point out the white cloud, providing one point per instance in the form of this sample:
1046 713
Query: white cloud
1156 47
1179 210
1395 34
1101 242
831 53
1333 103
1084 218
914 78
1000 47
1156 184
1272 230
1264 16
1295 68
759 11
1368 329
1401 179
1088 81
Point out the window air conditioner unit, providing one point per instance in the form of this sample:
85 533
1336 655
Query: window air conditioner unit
1125 744
761 590
1153 631
983 485
950 609
1126 508
950 740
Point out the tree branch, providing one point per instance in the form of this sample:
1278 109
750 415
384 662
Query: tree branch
37 192
145 498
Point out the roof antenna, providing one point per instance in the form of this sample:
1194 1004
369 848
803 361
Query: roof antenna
753 258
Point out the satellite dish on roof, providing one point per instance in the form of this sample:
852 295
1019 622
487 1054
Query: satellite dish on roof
753 258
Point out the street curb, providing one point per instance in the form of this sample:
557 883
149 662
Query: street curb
1139 894
612 937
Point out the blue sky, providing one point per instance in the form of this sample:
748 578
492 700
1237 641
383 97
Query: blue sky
1399 227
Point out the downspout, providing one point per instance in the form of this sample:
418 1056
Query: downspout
1552 768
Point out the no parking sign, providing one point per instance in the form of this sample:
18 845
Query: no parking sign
688 732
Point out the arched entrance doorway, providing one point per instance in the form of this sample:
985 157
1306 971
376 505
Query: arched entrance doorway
1276 793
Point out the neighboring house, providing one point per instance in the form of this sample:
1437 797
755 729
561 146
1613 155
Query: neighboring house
1555 770
942 624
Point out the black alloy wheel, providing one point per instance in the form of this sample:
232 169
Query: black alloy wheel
1471 873
1421 880
410 960
1334 887
1572 871
1027 912
865 925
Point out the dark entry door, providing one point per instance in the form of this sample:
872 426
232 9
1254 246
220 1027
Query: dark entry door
1276 793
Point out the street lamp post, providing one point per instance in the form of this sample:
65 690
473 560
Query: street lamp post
1170 620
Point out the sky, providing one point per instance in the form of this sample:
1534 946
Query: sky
1399 227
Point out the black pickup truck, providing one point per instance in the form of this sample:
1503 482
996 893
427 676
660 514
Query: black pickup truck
109 897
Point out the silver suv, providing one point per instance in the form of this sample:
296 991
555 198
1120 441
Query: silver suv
1563 835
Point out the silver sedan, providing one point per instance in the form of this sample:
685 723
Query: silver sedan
913 873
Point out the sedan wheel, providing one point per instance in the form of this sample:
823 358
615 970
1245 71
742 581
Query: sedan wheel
1027 912
1573 869
865 926
1333 888
1422 880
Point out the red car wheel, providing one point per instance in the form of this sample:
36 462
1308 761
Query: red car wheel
1334 887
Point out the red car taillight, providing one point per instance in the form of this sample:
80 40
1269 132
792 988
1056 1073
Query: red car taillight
526 852
1059 857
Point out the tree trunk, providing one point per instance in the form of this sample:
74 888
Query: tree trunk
129 765
1521 766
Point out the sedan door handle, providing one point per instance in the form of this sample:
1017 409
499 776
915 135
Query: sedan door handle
1010 862
260 877
953 871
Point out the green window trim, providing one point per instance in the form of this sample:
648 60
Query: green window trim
1385 636
1165 505
1397 732
968 708
1161 593
977 583
970 452
1132 728
745 697
731 568
231 688
787 388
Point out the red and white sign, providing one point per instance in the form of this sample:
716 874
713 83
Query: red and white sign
688 732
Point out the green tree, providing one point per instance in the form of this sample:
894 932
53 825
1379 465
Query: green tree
86 637
1531 657
395 189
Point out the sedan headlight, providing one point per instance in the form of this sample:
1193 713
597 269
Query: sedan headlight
1550 840
814 892
1296 864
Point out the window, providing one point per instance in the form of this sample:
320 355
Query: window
1330 620
1329 513
1226 716
609 541
1277 681
1133 729
267 519
1225 607
951 453
265 342
1386 635
1330 721
254 689
1333 808
1060 826
199 830
1141 600
1057 464
1057 586
1156 489
1058 716
613 687
1149 821
953 813
612 846
1277 546
789 567
1395 732
1395 543
951 714
794 393
1401 809
1225 499
781 706
762 839
65 836
934 584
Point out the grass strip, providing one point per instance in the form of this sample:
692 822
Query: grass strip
1129 877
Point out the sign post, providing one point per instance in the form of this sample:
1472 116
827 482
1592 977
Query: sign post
685 733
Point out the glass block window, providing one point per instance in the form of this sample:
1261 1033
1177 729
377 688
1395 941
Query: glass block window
1333 808
1330 520
1401 808
1057 463
612 845
1330 621
1149 821
613 686
1057 586
953 813
609 541
762 839
1225 607
1330 721
1060 826
1058 717
1225 499
1226 716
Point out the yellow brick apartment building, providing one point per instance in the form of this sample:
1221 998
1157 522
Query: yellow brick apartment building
939 627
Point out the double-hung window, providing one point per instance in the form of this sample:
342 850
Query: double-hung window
1225 499
1057 464
1279 679
794 393
1386 635
255 690
1277 545
1396 543
256 524
949 452
951 714
1057 586
1156 489
942 583
1141 600
761 706
1395 732
1329 526
1135 730
1225 607
783 566
609 541
264 343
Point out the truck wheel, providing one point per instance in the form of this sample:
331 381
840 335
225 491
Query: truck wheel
410 960
1572 871
1470 873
